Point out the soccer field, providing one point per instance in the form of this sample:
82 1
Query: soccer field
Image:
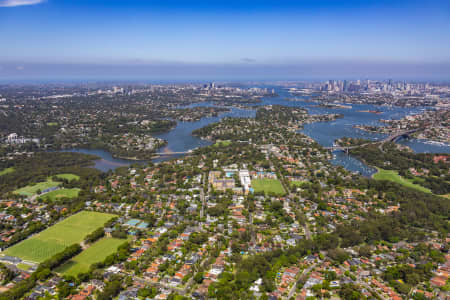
268 185
30 190
96 253
56 238
61 193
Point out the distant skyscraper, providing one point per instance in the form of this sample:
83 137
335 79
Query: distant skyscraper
330 85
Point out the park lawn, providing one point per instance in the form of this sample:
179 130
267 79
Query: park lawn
59 236
95 253
222 143
297 183
393 176
268 185
52 124
68 176
6 171
23 267
30 190
61 193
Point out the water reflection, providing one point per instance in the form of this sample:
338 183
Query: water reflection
180 139
107 161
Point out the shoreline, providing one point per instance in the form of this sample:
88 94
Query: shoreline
424 140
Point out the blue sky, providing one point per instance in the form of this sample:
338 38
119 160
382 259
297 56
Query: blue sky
107 37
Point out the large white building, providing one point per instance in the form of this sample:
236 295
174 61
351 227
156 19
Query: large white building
12 138
246 181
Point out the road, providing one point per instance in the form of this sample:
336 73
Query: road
367 287
202 196
181 291
202 199
294 287
161 285
307 231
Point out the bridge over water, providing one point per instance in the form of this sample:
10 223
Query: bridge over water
171 153
391 138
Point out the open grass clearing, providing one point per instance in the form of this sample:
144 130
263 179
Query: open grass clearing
222 143
393 176
298 183
6 171
61 193
268 186
31 190
59 236
95 253
68 176
24 267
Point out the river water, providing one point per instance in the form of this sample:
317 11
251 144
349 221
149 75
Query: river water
180 138
107 161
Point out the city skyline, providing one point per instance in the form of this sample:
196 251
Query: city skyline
225 40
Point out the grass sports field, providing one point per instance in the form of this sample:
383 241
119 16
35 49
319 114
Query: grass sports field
268 185
68 176
23 267
392 175
222 143
61 193
56 238
96 253
6 171
30 190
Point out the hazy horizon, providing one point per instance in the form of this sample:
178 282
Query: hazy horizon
266 40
